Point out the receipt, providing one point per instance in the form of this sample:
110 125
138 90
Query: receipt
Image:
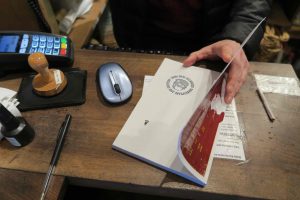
8 100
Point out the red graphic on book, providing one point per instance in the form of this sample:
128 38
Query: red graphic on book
199 134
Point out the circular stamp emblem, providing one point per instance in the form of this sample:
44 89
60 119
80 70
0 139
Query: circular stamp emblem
180 85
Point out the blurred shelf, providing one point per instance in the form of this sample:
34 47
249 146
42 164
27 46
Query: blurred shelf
84 26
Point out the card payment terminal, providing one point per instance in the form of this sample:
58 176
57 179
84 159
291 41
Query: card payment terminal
15 47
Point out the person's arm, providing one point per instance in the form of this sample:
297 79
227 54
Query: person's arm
244 16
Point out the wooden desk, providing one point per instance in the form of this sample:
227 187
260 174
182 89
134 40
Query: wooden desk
87 158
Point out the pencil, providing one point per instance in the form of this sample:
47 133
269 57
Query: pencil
266 105
56 153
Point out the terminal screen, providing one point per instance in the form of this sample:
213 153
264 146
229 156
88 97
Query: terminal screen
8 43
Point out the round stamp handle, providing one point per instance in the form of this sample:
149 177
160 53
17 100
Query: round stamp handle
39 63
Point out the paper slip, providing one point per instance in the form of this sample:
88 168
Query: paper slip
278 84
230 140
8 100
229 144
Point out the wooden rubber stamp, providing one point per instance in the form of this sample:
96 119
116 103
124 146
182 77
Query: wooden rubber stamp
47 82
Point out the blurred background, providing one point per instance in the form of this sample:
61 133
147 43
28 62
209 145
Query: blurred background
92 27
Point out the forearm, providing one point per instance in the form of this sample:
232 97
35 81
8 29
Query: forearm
244 16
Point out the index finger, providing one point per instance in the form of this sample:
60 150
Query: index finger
204 53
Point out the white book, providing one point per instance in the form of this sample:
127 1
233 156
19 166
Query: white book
174 125
160 129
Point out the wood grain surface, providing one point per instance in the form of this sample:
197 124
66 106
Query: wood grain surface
16 184
272 149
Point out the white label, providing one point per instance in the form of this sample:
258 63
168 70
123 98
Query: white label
57 77
13 141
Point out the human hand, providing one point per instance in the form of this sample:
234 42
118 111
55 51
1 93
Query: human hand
225 50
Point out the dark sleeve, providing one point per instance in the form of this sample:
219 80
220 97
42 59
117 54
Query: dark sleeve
244 16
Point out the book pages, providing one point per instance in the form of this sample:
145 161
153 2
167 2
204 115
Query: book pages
152 131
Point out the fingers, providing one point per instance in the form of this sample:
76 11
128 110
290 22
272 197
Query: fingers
223 49
204 53
237 76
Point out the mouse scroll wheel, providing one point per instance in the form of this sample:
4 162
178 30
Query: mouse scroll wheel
117 88
114 83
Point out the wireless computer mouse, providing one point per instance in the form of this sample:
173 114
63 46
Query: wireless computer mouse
114 83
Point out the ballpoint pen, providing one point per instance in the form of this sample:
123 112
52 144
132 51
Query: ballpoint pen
58 147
